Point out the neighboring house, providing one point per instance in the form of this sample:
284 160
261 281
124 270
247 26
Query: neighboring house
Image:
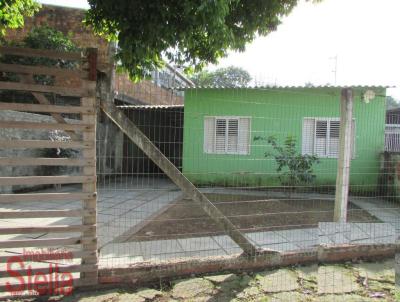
392 133
157 91
170 77
393 116
223 127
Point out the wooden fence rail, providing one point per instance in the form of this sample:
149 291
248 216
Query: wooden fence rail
81 242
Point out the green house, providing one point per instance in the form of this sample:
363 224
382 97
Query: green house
225 129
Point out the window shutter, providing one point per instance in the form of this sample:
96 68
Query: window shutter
209 131
308 136
334 129
233 132
220 135
244 135
321 133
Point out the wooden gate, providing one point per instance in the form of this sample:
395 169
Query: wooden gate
49 86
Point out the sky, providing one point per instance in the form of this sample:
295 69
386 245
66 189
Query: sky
343 42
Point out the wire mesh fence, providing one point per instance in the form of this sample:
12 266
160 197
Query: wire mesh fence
263 162
265 157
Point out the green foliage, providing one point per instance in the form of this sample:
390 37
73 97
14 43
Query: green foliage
12 13
41 37
46 37
227 77
186 32
293 167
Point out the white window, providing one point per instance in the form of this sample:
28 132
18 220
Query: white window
227 135
321 137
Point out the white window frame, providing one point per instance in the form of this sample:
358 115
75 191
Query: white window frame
327 143
228 118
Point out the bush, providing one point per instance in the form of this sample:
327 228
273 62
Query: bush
41 37
294 168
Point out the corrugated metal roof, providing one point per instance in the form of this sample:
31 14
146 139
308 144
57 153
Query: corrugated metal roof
149 106
393 110
288 87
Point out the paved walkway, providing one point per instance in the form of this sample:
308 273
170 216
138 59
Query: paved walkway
385 211
127 204
114 253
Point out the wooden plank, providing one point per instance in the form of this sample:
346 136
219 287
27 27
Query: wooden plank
28 197
90 204
18 144
45 229
60 90
61 268
42 180
41 70
42 99
144 144
343 169
33 161
45 126
41 214
41 53
40 256
46 108
45 196
40 242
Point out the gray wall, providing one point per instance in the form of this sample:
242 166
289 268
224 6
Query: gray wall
109 148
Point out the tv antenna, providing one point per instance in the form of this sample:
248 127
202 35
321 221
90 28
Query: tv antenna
334 71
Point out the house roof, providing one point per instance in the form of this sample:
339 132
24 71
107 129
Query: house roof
149 106
288 87
394 110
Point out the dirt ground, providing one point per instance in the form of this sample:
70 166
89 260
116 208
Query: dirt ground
248 213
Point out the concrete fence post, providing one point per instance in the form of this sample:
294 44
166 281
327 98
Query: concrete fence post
345 150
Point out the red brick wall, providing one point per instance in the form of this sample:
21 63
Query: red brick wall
66 20
70 22
146 92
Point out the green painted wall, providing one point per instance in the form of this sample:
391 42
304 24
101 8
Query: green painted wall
278 112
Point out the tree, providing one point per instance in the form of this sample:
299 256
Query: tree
293 167
186 32
228 77
392 103
12 13
46 37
